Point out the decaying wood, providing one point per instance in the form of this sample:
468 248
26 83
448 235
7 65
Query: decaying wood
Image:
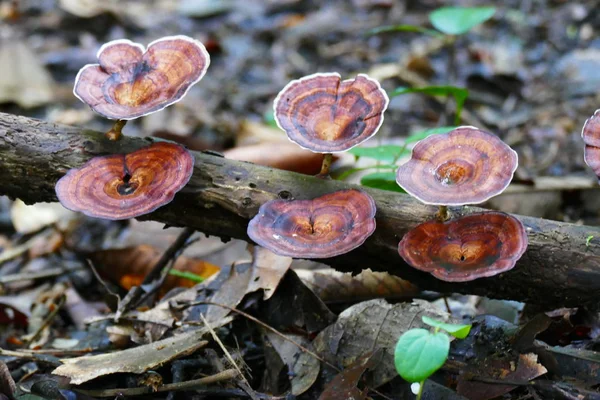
558 269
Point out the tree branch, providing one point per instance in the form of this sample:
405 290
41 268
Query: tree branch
557 270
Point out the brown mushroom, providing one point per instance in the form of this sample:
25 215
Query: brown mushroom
466 248
123 186
324 227
464 166
131 81
324 114
591 138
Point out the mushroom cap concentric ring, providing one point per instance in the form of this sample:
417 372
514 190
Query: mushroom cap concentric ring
324 227
591 138
131 81
464 166
466 248
123 186
324 114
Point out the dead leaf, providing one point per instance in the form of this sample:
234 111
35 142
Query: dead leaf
7 384
332 285
303 368
344 385
295 307
370 325
267 270
130 265
23 79
136 360
281 155
31 218
527 368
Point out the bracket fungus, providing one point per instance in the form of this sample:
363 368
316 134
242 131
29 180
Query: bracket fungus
324 114
591 138
123 186
131 81
324 227
466 248
464 166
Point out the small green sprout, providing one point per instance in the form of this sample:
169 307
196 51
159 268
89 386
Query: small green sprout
420 352
588 240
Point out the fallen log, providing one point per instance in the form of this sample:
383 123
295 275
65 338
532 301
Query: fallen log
559 268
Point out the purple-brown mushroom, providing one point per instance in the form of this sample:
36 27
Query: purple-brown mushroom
123 186
324 227
591 138
464 166
324 114
130 81
466 248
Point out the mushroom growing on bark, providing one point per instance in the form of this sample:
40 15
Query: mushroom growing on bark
591 138
131 81
324 227
464 166
466 248
324 114
123 186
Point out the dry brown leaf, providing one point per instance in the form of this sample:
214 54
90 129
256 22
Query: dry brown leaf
129 266
281 155
303 368
527 368
344 385
371 325
136 360
267 271
332 285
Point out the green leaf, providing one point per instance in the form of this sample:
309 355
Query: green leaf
403 28
460 94
417 136
382 180
386 153
269 118
459 20
419 353
351 171
459 331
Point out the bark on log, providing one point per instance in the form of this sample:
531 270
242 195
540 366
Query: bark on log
557 270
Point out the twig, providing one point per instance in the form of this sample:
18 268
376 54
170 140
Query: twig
61 301
179 386
47 273
216 338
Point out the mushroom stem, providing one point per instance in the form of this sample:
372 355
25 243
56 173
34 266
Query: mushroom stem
115 131
327 160
442 213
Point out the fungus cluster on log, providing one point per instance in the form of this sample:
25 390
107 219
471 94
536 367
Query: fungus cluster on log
321 113
463 166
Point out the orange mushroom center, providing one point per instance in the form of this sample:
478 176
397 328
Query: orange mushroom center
454 172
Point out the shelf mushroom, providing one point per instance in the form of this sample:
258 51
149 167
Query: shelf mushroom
324 114
324 227
591 138
466 248
130 81
464 166
124 186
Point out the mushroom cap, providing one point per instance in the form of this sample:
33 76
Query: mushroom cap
324 227
123 186
464 166
591 138
324 114
131 81
466 248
